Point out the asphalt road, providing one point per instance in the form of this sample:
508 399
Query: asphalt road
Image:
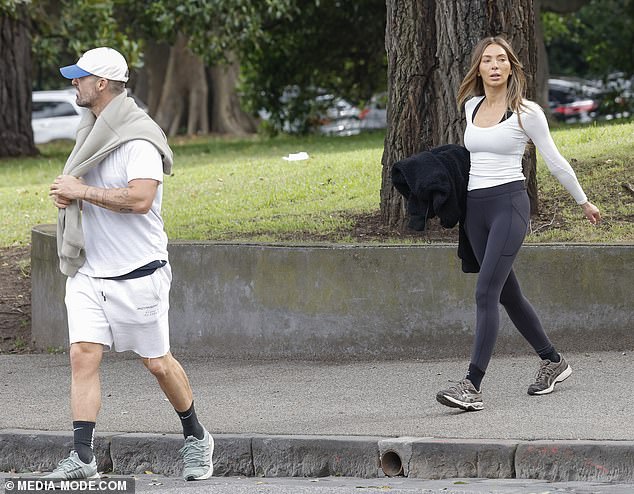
331 485
379 398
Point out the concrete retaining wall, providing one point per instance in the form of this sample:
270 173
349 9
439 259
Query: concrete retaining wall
322 456
338 302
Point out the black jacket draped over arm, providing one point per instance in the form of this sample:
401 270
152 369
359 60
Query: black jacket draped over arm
434 183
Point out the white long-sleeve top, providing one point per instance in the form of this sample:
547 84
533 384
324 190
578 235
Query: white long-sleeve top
496 152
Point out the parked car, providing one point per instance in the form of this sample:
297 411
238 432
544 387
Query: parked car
340 117
328 114
55 115
573 100
345 119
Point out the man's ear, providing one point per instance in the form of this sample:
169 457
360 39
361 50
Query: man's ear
102 84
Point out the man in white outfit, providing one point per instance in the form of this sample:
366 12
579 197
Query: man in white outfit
113 248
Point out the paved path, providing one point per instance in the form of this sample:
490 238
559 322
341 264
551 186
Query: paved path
384 399
364 398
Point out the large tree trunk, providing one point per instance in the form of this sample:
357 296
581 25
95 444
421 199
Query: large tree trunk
16 133
410 41
149 81
541 70
227 116
174 99
184 89
428 48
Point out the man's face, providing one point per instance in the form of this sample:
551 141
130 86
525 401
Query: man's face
87 90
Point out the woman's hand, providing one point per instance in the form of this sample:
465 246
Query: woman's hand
591 212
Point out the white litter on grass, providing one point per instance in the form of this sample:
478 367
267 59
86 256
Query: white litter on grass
303 155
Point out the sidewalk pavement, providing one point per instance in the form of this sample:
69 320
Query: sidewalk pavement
303 418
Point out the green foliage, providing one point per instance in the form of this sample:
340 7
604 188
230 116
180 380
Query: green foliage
307 45
10 7
326 45
593 41
556 26
214 27
310 45
20 343
85 24
64 29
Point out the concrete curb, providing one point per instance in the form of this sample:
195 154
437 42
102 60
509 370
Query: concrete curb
350 456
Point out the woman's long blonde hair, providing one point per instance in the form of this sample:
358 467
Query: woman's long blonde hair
472 84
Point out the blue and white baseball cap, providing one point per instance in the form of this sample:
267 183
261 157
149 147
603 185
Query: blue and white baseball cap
103 62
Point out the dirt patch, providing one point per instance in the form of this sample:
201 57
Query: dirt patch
15 300
368 228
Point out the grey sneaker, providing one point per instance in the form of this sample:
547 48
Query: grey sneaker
72 468
549 374
461 395
197 457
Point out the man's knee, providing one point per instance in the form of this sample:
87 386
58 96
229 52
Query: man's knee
85 356
160 367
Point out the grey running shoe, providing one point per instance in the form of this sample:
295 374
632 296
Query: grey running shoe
197 457
72 468
461 395
549 374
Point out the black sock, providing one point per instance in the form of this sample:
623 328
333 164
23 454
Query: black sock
191 426
550 354
475 375
83 435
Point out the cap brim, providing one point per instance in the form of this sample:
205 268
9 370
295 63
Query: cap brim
73 72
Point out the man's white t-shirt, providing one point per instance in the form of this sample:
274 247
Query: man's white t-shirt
118 243
496 151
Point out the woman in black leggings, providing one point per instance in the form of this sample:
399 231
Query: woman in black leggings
499 124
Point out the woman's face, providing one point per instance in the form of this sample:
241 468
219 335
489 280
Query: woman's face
495 67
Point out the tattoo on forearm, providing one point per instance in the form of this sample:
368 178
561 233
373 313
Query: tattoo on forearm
117 200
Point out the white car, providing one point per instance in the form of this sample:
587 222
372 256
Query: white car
55 115
344 119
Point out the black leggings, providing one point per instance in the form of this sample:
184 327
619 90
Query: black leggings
496 224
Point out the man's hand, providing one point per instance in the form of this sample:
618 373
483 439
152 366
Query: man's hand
65 189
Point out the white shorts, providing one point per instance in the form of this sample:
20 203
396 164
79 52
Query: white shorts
129 314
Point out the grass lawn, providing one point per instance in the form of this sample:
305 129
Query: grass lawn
230 189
